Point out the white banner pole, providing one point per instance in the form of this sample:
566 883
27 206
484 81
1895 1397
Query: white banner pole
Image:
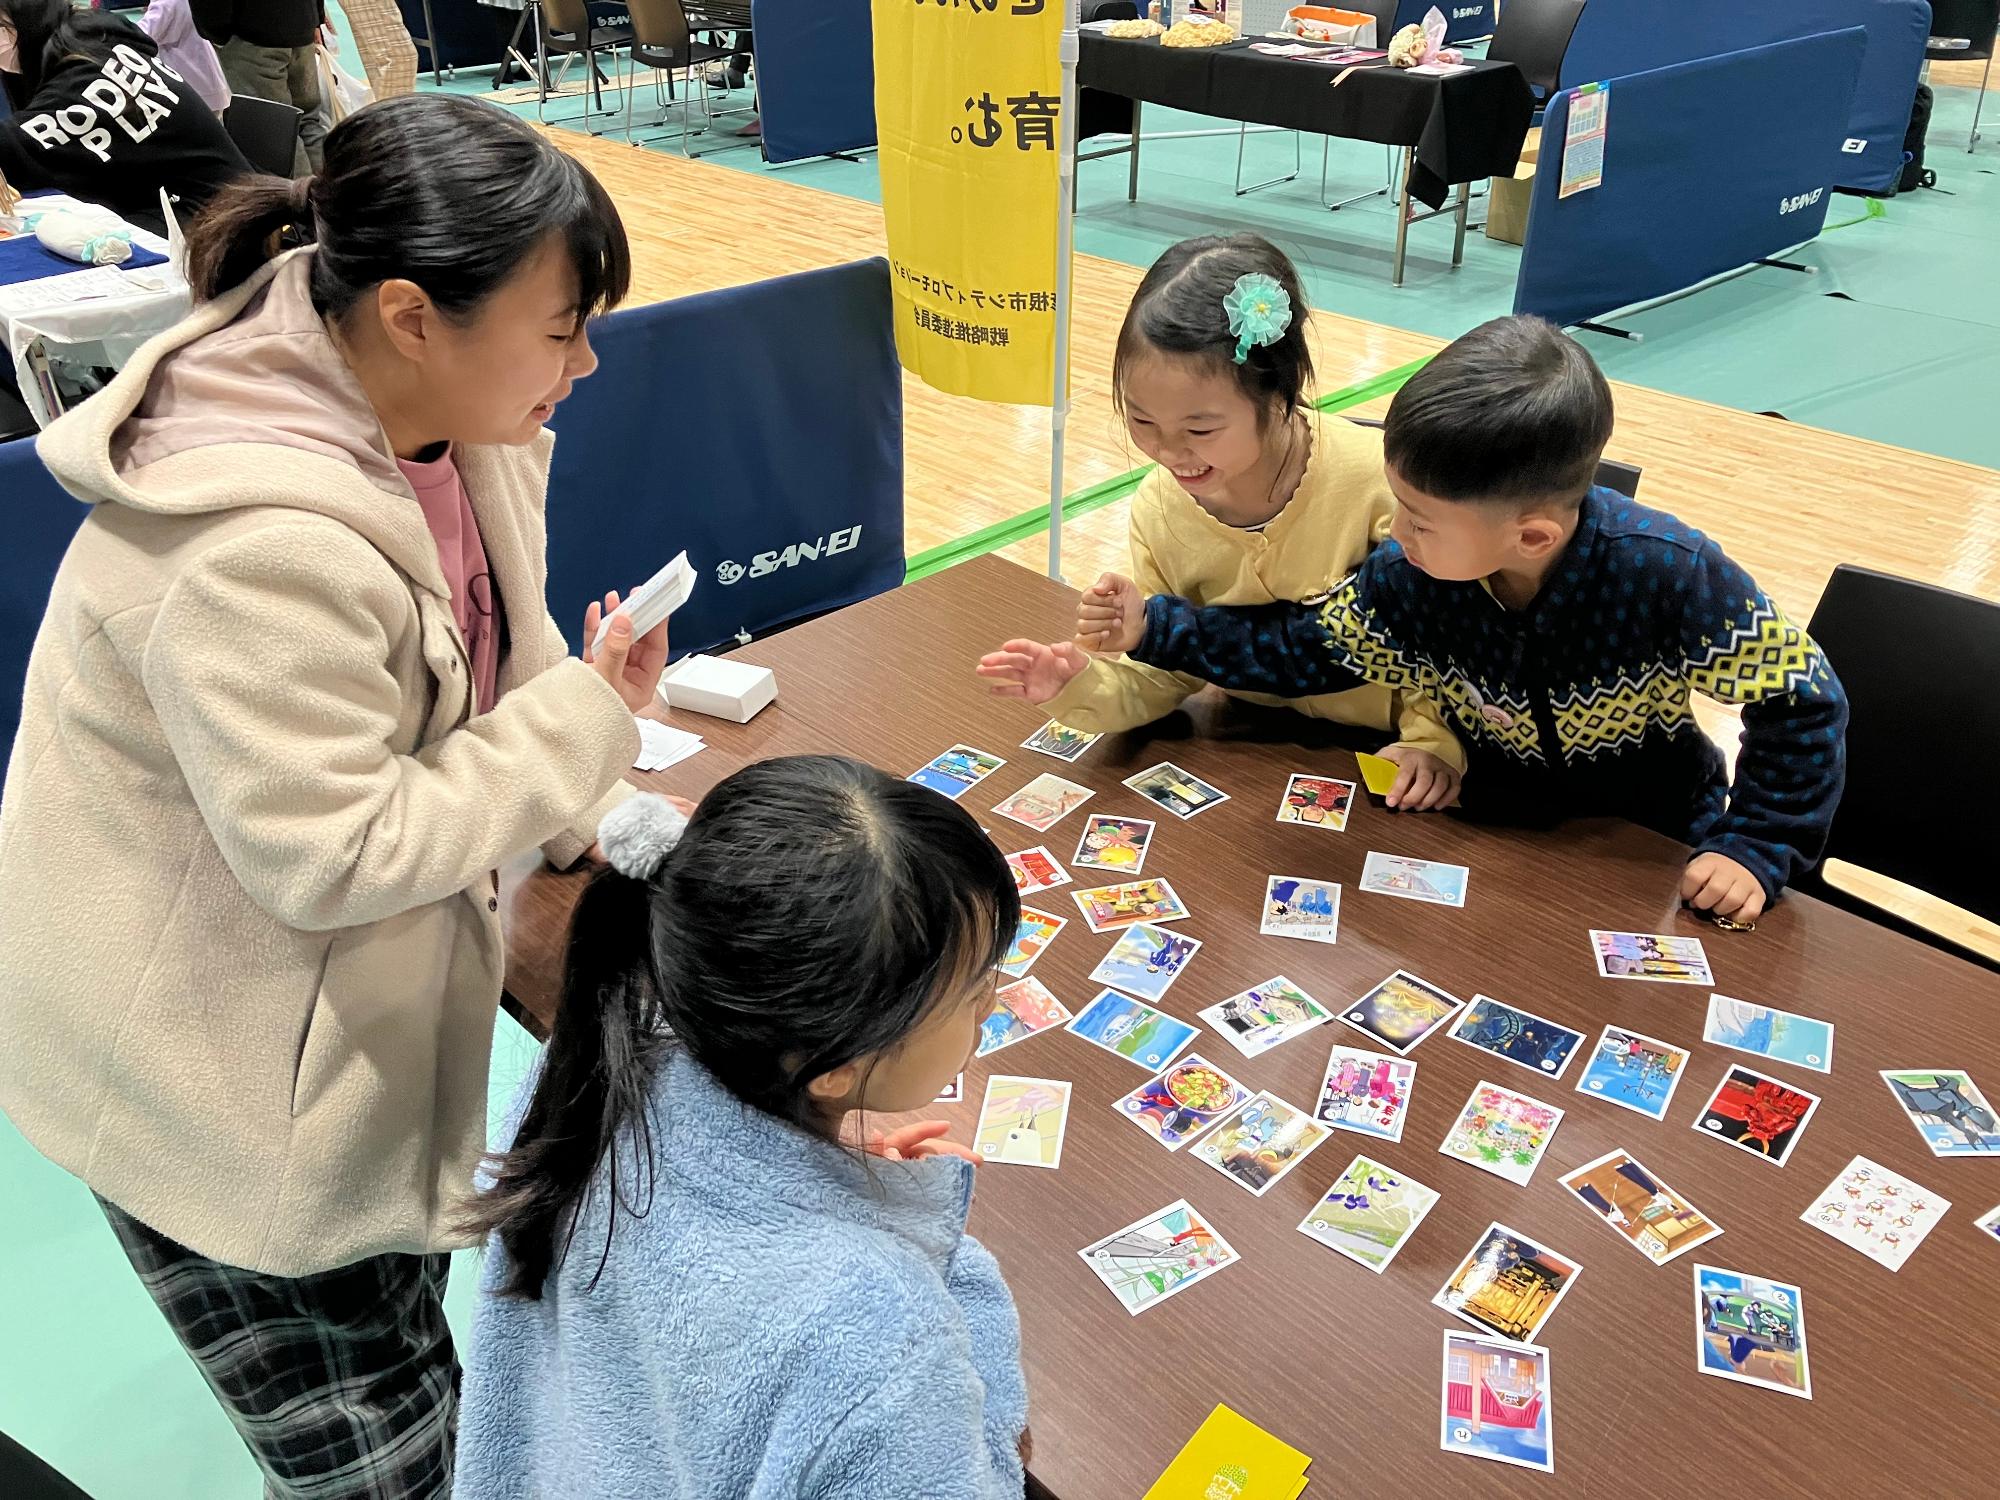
1066 55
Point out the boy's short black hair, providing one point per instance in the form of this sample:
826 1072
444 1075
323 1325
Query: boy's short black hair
1512 411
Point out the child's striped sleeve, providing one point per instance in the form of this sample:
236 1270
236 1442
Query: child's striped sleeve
1742 649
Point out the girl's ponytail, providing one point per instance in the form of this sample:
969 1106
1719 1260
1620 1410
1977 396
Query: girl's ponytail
595 1070
243 227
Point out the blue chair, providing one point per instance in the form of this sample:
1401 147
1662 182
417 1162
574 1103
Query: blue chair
41 518
759 428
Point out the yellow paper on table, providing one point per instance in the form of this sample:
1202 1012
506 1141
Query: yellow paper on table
1231 1458
968 103
1377 774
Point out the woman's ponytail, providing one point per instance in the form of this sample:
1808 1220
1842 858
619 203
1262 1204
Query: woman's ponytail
244 226
595 1071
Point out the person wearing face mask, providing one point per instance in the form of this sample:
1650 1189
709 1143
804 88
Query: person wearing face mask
296 696
99 116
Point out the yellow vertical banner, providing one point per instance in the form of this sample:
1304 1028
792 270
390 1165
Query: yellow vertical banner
967 112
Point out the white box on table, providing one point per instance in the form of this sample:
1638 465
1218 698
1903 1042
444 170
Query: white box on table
732 690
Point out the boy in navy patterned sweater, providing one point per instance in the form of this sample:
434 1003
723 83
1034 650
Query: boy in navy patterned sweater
1561 628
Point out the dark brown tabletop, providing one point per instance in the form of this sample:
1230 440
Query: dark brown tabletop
1337 1361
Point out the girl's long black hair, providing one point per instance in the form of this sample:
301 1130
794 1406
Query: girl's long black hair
453 194
812 915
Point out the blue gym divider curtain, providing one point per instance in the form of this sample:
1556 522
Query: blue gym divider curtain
1462 18
761 429
1708 165
815 76
1615 37
41 518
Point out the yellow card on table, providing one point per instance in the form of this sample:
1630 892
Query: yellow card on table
1378 774
1231 1458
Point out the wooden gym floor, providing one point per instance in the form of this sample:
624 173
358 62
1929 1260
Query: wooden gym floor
1789 502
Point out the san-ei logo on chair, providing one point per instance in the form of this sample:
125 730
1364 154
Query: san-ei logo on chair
1802 200
766 563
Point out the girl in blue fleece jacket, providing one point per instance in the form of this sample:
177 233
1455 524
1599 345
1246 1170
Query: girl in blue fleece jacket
694 1287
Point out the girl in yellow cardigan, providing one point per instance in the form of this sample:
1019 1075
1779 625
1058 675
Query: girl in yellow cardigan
1257 497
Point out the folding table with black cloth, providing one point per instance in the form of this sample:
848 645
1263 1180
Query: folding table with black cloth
1452 130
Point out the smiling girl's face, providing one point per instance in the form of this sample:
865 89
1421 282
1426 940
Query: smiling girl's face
1194 421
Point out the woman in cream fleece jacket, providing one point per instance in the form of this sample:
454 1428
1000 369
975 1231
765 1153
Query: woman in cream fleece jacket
295 698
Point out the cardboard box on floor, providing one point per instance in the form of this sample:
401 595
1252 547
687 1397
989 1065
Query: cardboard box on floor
1507 203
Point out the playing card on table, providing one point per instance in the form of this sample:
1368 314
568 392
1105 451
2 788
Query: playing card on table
1044 802
1377 774
1873 1210
1110 907
1158 1256
1060 741
1145 961
1035 870
1181 793
1497 1403
1502 1132
1031 939
1368 1213
1989 1221
1133 1031
1948 1110
1317 802
1113 843
1022 1121
1265 1015
953 1092
1756 1113
1647 1214
1751 1330
1020 1010
1366 1092
1300 907
957 771
1232 1459
1261 1142
1764 1032
1634 1072
1182 1101
1659 957
1519 1036
1415 879
1401 1011
1508 1284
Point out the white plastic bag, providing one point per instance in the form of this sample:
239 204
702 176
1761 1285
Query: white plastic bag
340 91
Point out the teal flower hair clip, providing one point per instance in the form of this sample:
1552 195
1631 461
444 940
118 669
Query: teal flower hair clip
1259 312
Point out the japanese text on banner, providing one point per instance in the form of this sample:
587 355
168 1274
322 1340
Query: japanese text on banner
968 106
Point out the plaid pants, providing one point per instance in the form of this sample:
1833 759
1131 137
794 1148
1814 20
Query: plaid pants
343 1384
385 46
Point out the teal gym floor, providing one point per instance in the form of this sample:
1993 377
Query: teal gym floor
1893 340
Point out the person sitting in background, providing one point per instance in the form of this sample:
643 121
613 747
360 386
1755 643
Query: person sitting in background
170 24
61 68
266 47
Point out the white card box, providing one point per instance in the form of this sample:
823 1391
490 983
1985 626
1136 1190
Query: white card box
732 690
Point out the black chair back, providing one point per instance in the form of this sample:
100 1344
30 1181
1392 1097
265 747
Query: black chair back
660 26
1384 12
1533 35
1963 20
1099 113
25 1477
1919 664
266 132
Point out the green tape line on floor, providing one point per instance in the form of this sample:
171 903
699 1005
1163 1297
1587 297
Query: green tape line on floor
1031 523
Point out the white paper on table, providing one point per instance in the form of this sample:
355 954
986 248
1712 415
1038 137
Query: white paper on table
662 745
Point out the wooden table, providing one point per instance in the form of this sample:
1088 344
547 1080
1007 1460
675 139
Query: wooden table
1334 1360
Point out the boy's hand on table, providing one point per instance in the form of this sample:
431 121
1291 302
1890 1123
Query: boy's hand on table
1425 782
1111 615
1714 883
1032 670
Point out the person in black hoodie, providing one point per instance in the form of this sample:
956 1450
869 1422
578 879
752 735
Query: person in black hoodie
266 47
97 115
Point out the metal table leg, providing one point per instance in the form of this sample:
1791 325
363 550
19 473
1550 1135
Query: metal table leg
1403 217
1984 78
1243 134
1132 184
1458 230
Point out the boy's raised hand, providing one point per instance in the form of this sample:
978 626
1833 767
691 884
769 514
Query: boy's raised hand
1111 615
1716 883
1031 670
